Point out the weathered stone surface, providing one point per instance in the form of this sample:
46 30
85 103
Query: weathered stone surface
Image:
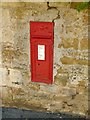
77 106
82 83
62 70
56 106
84 44
58 4
61 79
83 62
3 76
69 43
15 77
7 94
69 90
69 60
85 19
34 86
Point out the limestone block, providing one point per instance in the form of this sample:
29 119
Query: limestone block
69 60
7 94
7 3
15 78
67 16
3 76
81 89
9 54
10 77
35 87
79 106
84 44
83 83
49 89
0 92
55 106
61 79
76 69
60 97
0 55
74 78
19 93
59 3
80 54
66 91
85 19
7 33
81 97
34 104
83 62
69 43
42 95
46 15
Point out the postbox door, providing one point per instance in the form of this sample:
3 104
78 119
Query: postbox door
42 61
41 42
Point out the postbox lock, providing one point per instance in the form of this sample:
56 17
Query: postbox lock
38 63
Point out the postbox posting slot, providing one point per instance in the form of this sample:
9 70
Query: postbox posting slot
41 36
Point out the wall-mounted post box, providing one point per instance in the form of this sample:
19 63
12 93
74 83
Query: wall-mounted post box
41 50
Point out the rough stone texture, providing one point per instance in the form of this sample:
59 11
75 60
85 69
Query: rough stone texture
69 91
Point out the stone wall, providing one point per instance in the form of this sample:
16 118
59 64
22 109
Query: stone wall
69 91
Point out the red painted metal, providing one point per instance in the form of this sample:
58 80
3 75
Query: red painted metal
41 38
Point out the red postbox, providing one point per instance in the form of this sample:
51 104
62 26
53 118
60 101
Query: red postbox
41 49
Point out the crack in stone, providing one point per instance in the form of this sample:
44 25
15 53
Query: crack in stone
49 7
58 16
52 7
